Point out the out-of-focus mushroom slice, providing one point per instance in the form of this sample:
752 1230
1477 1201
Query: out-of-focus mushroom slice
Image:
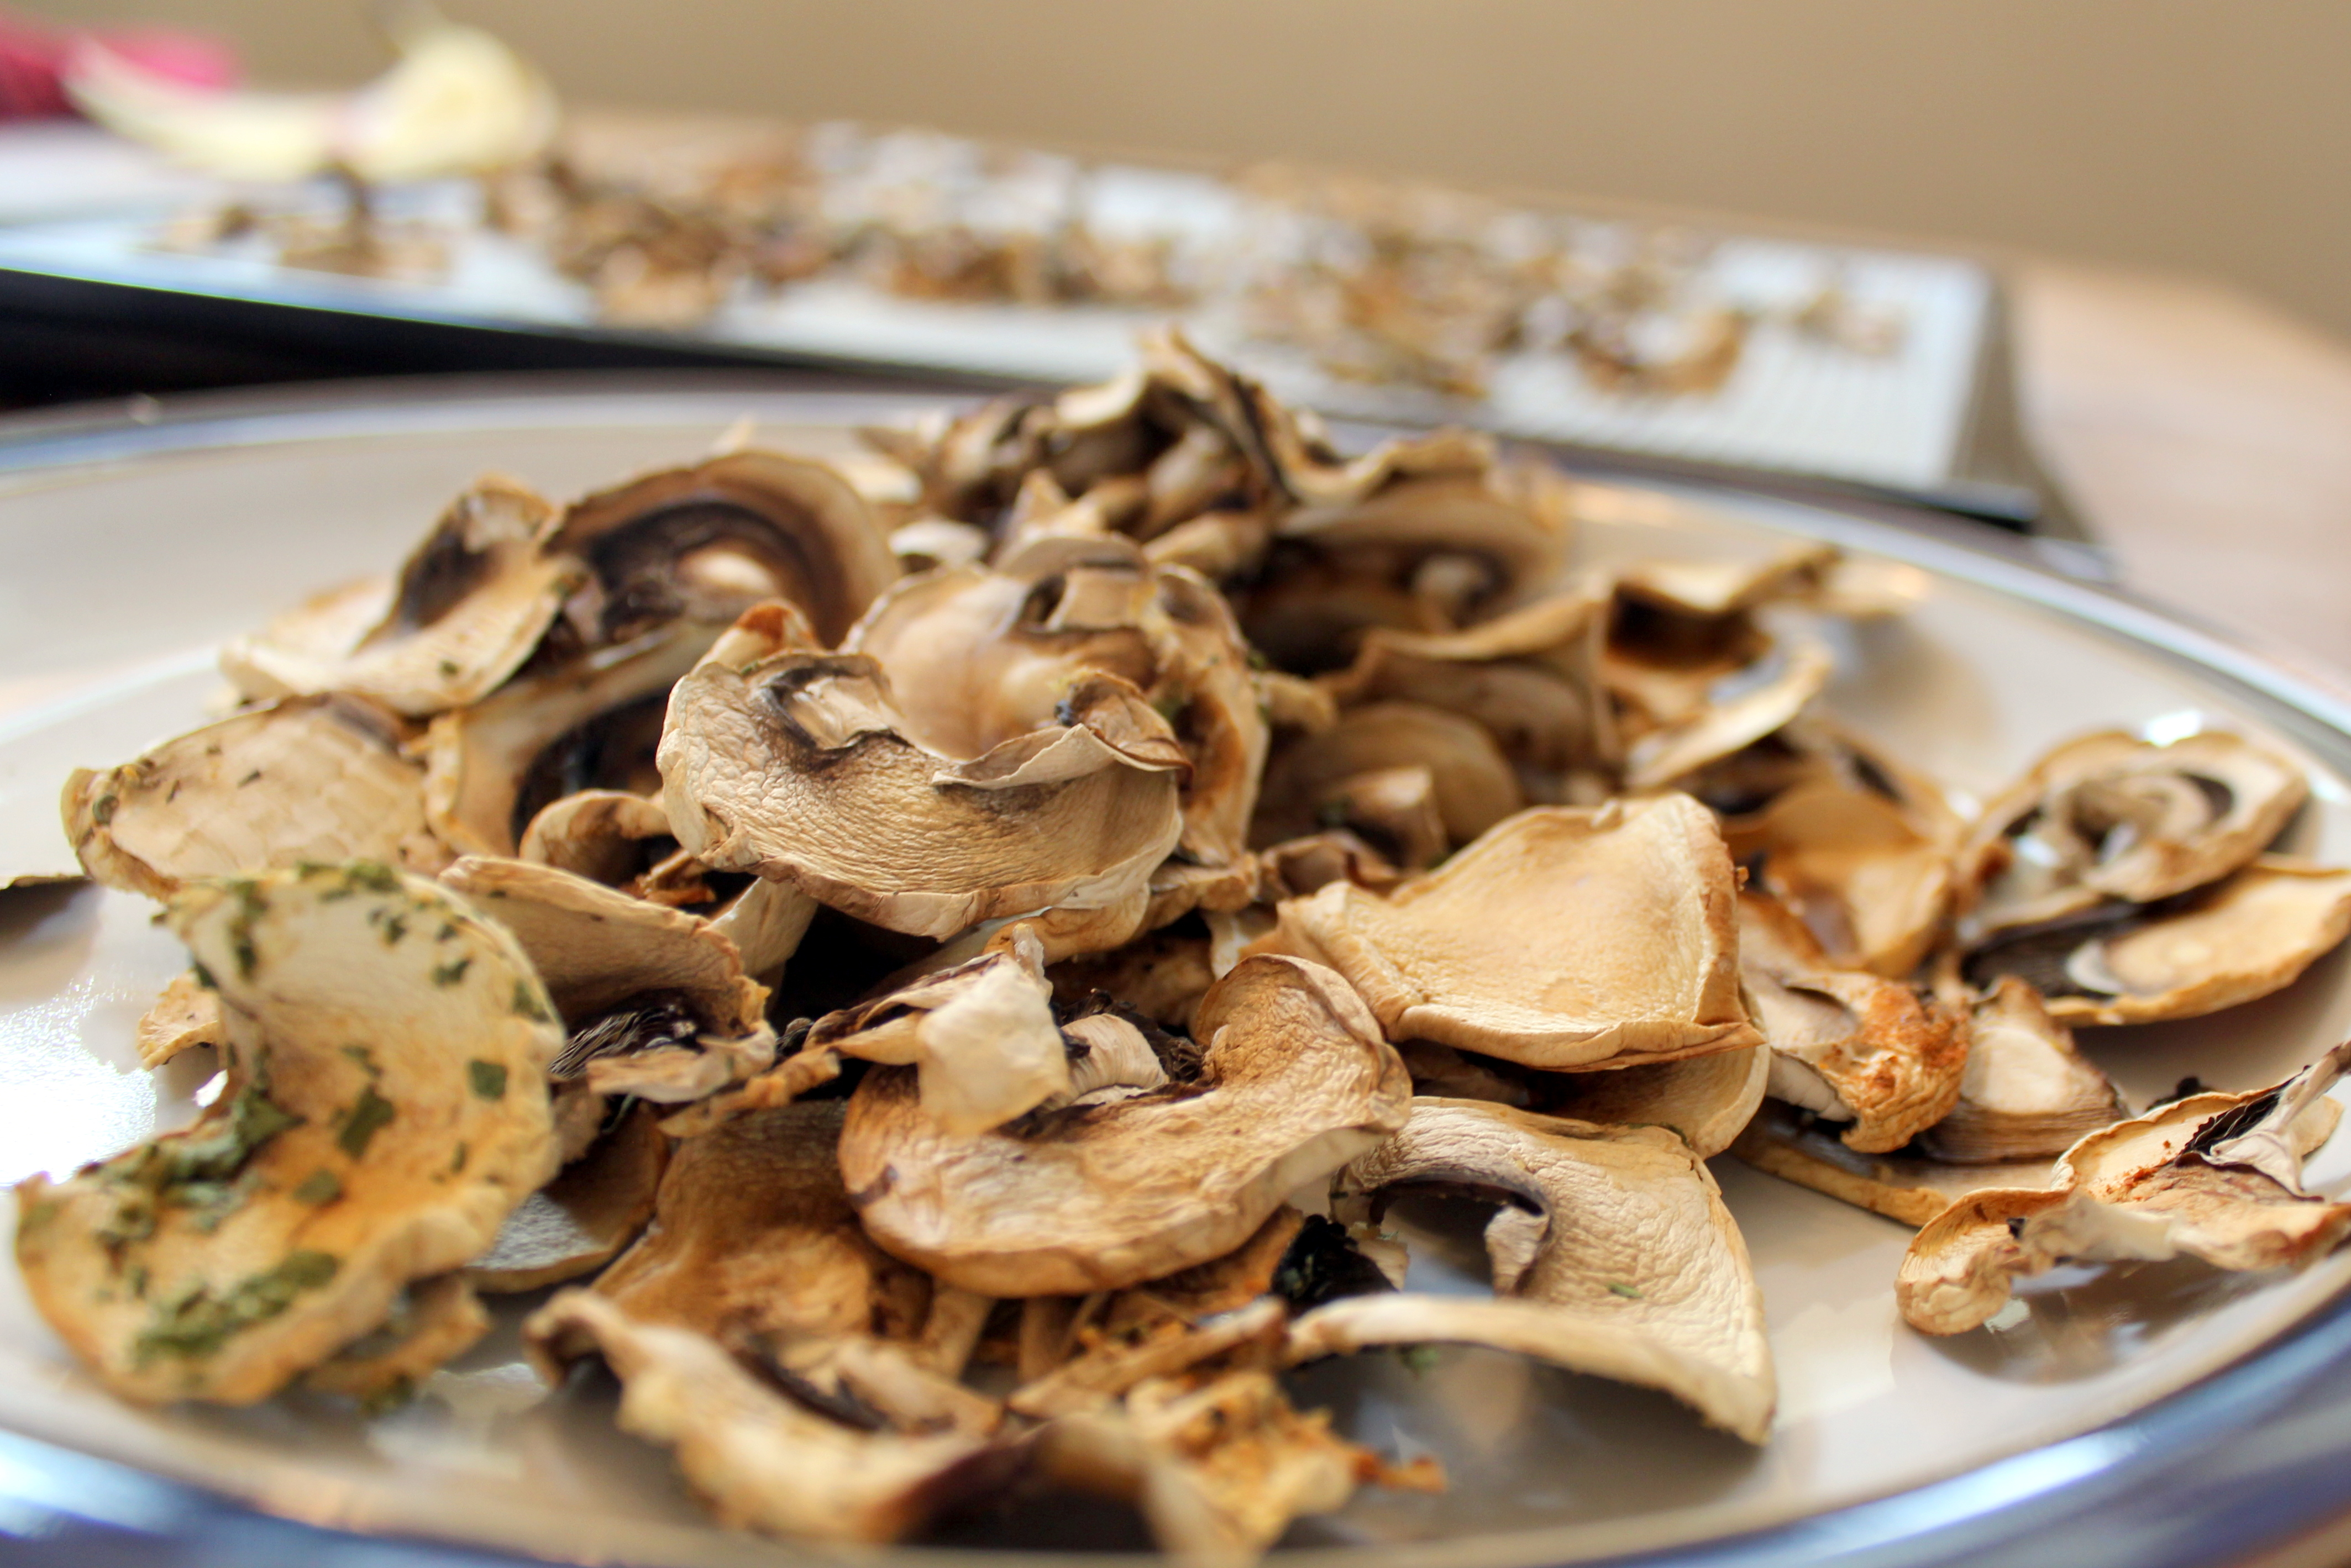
1703 591
1791 1144
796 769
313 779
470 605
602 955
2213 1177
580 1220
1739 710
1494 536
753 1235
980 1037
1679 1309
1095 1379
1306 782
607 836
2242 937
2109 815
763 1460
1814 749
1294 1081
1297 867
188 1014
1162 975
1220 1470
430 1324
929 542
704 542
588 723
385 1109
1640 965
1848 1045
2027 1093
1709 1100
1871 881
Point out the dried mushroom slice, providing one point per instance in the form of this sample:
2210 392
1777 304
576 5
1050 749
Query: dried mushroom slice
1739 709
470 604
2214 1177
2110 816
1641 965
704 542
2027 1093
1871 878
797 768
1293 1080
762 1458
1095 1379
1708 1100
2242 937
432 1323
1795 1145
384 1110
313 779
580 1220
1332 778
1847 1045
188 1014
607 836
1679 1311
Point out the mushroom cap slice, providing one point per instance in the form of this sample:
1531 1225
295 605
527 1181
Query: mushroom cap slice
470 604
187 1015
1739 710
1679 1311
1848 1045
313 779
385 1109
706 542
2109 815
1709 1100
2215 1177
2027 1093
762 1460
607 836
580 1220
2241 937
1471 780
1293 1082
1643 965
433 1323
1870 878
1786 1142
796 769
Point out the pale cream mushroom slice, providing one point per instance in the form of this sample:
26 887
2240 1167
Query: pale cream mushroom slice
385 1109
1485 954
1313 780
1850 1046
607 836
580 1220
187 1015
761 1458
2244 937
654 999
2214 1177
1292 1080
2110 816
470 604
1708 1100
1680 1312
2027 1093
308 779
1871 878
798 768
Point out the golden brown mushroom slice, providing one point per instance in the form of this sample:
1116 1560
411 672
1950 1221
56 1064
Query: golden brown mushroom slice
1640 963
580 1220
1708 1100
2214 1177
1738 710
1293 1080
430 1324
761 1458
2027 1093
1848 1045
188 1014
2110 816
1871 877
470 604
312 778
1679 1311
1785 1141
385 1109
2250 934
1339 776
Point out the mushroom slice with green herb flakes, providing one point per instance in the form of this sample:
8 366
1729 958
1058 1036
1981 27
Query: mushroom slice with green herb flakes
433 1323
1292 1081
2214 1177
306 779
1612 1254
385 1110
1484 954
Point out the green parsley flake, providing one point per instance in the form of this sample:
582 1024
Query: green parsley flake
488 1078
319 1187
195 1324
370 1114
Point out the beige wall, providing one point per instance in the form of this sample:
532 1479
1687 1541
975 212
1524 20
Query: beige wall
2206 135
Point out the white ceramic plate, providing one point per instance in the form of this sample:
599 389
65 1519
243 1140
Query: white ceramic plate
125 556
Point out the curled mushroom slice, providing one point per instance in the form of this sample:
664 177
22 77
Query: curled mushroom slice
2111 817
1641 965
1848 1045
1739 709
1294 1080
1871 879
762 1459
2244 937
188 1014
1162 974
1310 782
430 1324
470 604
2027 1093
580 1220
656 999
2214 1177
607 836
798 768
385 1107
1680 1312
313 779
1709 1100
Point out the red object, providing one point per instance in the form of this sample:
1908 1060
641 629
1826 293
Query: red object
33 57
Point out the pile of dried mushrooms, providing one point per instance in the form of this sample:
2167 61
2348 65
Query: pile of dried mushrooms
947 963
